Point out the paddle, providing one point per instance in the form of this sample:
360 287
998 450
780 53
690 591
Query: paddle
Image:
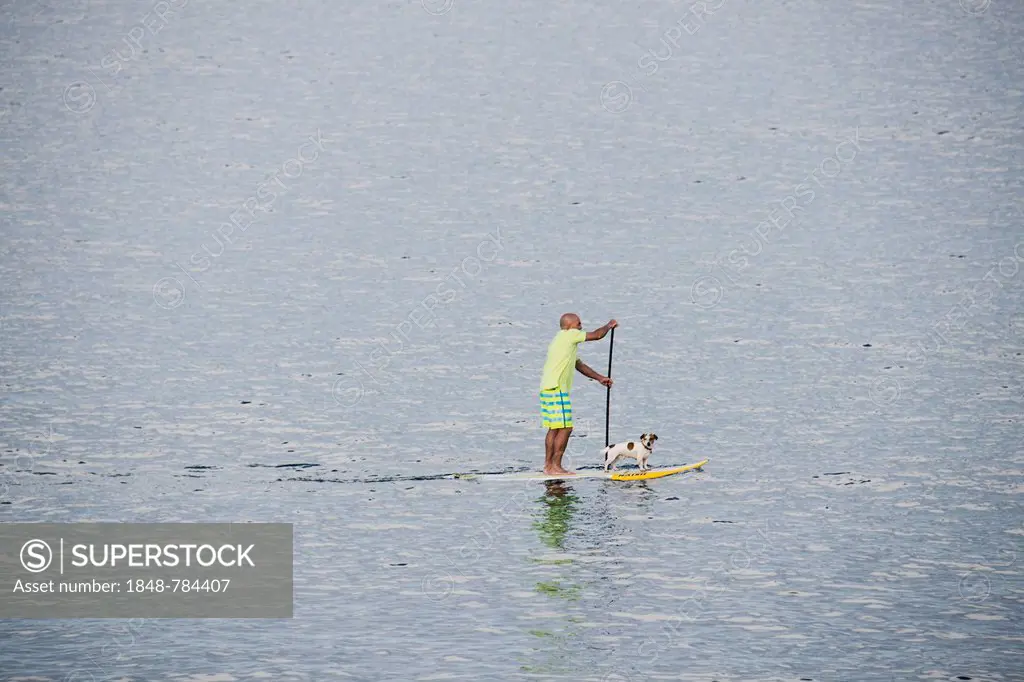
608 400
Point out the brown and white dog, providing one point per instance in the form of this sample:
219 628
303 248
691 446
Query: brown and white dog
639 450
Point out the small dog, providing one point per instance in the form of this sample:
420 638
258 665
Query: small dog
640 450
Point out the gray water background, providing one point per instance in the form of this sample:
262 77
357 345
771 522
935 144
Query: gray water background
860 518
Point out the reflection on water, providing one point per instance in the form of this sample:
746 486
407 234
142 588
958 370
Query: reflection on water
560 502
557 648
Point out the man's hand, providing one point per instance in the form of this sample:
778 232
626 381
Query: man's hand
582 368
600 332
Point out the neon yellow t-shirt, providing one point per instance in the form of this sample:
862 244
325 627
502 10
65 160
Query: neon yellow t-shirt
561 362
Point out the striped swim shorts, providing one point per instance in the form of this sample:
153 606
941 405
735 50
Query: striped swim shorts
555 409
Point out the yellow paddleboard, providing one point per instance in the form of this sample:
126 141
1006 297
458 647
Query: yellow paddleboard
625 475
653 473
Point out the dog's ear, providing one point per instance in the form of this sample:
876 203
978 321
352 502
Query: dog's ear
643 435
654 436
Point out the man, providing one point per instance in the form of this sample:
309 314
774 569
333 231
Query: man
556 383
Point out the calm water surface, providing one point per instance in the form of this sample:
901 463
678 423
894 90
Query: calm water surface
807 218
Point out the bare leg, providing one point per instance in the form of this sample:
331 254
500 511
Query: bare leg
549 453
561 442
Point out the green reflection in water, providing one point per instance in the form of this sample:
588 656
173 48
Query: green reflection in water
560 504
558 651
554 589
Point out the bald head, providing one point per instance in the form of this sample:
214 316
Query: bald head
570 321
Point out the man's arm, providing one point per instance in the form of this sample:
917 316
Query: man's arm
591 374
600 332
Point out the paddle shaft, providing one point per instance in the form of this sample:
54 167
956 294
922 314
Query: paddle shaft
608 399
